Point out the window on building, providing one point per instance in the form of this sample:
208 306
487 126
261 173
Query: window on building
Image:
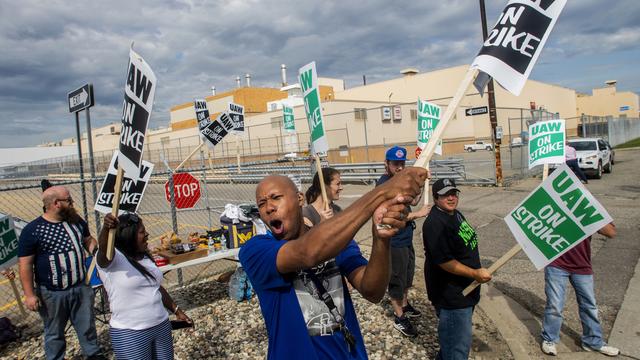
276 122
360 113
414 114
112 129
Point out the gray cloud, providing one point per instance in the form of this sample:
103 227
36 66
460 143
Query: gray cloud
50 48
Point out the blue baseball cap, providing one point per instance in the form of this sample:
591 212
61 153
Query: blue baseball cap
396 153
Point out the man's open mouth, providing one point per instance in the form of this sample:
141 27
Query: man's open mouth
277 227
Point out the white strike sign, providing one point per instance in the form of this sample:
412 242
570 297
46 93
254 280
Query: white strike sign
236 113
139 92
555 217
309 83
514 44
546 142
132 188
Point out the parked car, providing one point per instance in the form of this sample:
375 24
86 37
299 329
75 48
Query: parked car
613 152
594 156
478 145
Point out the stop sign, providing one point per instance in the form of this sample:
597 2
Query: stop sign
186 190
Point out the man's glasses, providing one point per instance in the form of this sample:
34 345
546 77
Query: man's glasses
132 218
68 200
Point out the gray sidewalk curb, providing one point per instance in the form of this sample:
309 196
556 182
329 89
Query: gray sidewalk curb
625 333
512 321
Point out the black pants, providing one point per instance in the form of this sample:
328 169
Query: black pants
573 164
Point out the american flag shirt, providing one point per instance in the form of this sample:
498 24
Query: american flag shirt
58 249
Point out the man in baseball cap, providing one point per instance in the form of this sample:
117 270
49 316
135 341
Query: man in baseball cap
452 262
403 258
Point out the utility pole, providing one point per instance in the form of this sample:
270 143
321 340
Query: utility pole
493 119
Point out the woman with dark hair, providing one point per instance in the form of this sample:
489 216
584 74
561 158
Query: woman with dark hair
139 326
316 210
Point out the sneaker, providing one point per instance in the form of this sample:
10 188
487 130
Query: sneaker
410 312
403 325
549 348
605 349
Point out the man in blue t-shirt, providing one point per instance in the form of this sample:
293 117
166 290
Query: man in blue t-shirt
403 256
51 254
298 273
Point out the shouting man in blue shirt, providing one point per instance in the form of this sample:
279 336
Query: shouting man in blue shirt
298 273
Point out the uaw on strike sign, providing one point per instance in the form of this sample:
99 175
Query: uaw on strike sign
139 92
546 142
428 119
309 83
555 217
202 113
132 188
214 131
514 44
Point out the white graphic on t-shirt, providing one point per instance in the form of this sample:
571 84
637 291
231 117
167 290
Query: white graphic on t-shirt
316 314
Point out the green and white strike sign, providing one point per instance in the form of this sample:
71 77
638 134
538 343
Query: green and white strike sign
428 119
555 217
8 242
309 83
287 118
546 143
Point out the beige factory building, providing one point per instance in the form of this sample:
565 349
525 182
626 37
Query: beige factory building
607 101
387 110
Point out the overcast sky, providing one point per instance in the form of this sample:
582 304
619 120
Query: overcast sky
52 47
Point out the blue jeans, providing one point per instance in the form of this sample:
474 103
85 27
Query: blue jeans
454 333
555 280
57 308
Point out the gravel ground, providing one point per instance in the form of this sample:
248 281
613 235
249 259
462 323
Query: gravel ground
230 330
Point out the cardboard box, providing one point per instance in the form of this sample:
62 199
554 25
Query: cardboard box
178 258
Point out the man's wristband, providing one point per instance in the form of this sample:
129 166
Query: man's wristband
175 311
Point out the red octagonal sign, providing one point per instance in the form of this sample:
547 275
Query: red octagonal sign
186 190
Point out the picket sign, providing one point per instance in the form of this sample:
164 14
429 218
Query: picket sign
506 257
16 293
308 78
139 93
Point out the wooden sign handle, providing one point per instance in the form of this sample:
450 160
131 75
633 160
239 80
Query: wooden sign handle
117 192
16 293
189 156
428 151
426 188
545 172
494 267
323 190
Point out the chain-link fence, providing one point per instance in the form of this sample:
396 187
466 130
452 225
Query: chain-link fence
615 130
220 185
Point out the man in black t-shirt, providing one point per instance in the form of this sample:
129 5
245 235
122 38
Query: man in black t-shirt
452 262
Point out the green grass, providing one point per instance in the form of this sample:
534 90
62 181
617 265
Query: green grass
629 144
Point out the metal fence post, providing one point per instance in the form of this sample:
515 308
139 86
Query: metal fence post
206 187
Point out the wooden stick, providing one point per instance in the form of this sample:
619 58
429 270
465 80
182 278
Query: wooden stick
92 267
117 192
189 156
323 190
16 293
495 266
428 151
545 172
426 188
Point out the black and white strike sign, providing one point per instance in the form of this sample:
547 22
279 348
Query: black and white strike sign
236 113
216 130
513 46
81 98
477 111
202 113
132 188
139 92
